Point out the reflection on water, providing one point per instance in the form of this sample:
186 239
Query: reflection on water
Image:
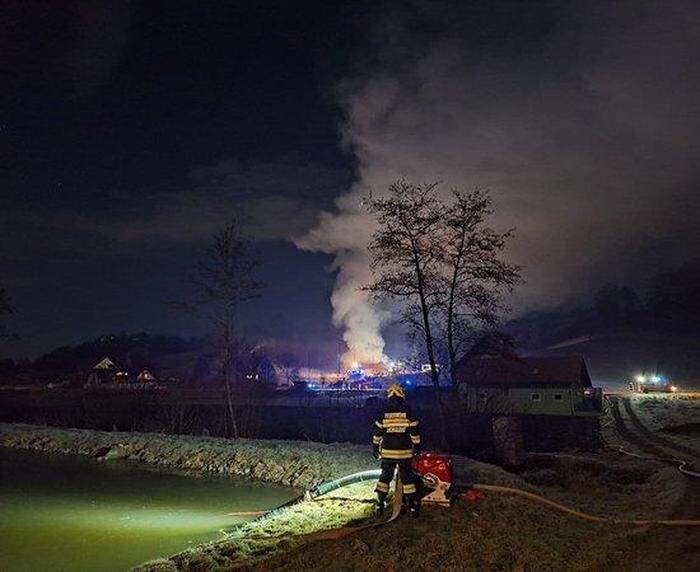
68 513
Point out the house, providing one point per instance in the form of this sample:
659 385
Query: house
259 369
536 404
122 377
104 371
145 377
530 385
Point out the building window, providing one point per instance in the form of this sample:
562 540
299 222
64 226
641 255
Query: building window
535 397
558 397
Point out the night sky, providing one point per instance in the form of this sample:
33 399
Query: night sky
130 132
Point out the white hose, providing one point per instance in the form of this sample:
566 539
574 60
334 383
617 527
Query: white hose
681 463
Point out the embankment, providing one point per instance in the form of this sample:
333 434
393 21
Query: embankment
291 463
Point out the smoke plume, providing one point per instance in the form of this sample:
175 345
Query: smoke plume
586 133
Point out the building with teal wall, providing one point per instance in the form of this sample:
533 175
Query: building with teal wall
514 385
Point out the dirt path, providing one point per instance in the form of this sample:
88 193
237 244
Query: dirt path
655 437
630 435
661 548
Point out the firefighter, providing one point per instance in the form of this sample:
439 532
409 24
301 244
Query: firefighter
396 439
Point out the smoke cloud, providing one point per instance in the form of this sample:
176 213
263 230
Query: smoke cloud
345 235
586 133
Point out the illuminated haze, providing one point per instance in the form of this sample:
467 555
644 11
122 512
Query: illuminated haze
586 133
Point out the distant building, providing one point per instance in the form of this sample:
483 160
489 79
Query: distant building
122 377
535 403
260 369
145 377
530 385
103 372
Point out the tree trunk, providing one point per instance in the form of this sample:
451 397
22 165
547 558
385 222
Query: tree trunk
231 411
227 375
450 333
434 375
450 311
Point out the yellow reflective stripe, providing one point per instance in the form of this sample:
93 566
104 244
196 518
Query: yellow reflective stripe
382 487
378 424
376 440
415 439
396 453
413 424
397 457
395 414
409 489
395 430
396 423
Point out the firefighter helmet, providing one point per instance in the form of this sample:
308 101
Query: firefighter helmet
395 390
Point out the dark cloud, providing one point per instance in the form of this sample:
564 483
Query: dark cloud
275 201
586 128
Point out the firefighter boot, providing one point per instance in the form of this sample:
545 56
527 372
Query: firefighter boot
381 503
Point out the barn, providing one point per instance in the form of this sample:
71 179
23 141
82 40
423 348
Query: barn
537 404
530 385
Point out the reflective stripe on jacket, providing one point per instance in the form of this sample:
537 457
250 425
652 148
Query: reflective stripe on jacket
396 431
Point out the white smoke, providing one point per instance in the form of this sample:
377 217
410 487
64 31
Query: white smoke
587 142
346 237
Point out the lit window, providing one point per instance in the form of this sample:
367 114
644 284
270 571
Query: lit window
535 397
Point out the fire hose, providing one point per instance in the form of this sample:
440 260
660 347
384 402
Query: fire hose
311 494
680 463
578 514
325 488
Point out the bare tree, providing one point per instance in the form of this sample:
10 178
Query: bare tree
221 281
443 265
407 262
442 262
477 276
406 258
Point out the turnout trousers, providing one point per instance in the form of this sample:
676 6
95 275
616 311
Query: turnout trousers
408 479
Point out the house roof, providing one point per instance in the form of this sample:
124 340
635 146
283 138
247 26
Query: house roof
523 371
105 364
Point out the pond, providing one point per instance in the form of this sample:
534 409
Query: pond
74 513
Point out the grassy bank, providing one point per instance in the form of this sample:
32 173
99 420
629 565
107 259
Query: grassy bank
291 463
503 532
499 532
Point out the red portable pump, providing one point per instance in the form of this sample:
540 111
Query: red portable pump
435 471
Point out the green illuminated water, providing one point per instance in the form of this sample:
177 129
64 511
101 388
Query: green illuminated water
68 513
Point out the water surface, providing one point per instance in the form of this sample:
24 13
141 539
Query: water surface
72 513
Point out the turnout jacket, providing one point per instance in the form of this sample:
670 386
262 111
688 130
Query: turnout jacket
396 432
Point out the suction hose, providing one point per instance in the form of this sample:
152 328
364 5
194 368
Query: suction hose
317 491
325 488
330 486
